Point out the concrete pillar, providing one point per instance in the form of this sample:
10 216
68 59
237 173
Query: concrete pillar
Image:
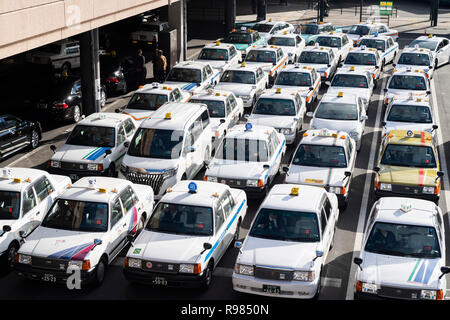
177 20
261 9
230 16
90 72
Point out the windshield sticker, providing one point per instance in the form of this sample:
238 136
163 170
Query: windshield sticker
137 251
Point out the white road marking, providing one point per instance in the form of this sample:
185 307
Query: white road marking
365 198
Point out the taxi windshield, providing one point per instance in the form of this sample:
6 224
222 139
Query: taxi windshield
425 44
261 56
92 136
313 155
359 30
181 219
216 108
77 215
213 54
350 80
373 43
239 149
185 75
415 59
298 79
276 107
334 42
403 240
408 156
146 101
236 76
406 82
361 59
314 57
282 41
156 143
310 29
9 205
336 111
238 38
262 27
409 113
286 225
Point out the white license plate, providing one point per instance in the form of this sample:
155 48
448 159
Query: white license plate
49 278
271 289
74 176
159 281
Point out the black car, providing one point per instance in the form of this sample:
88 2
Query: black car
116 74
16 134
60 98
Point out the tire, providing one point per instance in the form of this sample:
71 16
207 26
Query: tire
236 233
10 254
76 114
34 139
100 272
111 171
206 282
319 287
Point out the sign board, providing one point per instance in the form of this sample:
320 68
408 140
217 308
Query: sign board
385 8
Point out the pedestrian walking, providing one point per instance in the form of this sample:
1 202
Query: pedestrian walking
141 70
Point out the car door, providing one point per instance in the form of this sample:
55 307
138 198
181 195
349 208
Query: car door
446 50
228 207
7 131
118 228
188 153
326 227
44 195
220 229
129 201
31 215
442 55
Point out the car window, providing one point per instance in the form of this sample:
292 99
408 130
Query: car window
29 200
327 207
209 71
218 216
349 147
232 101
205 119
121 136
232 52
177 95
228 107
197 128
116 212
43 188
323 219
226 204
129 127
128 198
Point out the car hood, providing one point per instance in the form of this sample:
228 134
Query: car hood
353 37
217 64
60 244
340 125
316 176
239 89
167 247
137 114
407 175
235 169
272 121
360 68
82 154
149 165
396 271
276 253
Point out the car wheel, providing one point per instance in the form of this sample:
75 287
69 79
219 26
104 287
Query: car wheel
319 287
236 233
100 272
34 139
208 277
76 114
10 255
111 171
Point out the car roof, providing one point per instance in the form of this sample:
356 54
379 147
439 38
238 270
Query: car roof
317 48
211 94
335 98
258 132
283 94
324 137
104 119
205 195
363 49
180 114
376 37
157 88
26 176
417 138
357 72
264 47
415 211
427 38
413 101
408 71
217 45
297 68
416 50
191 64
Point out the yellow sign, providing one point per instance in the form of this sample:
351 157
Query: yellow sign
313 181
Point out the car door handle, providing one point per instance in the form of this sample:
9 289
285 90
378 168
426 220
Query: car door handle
38 213
124 225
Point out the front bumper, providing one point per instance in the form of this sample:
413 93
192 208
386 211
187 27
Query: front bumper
35 273
173 280
159 188
430 197
77 174
288 289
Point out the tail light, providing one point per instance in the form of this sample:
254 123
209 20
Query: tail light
86 265
112 79
437 189
125 262
205 178
439 295
358 286
61 106
343 190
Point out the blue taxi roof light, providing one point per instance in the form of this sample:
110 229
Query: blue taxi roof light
248 126
376 34
192 187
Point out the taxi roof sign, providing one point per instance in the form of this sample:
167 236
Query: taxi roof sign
192 187
406 207
248 126
294 191
168 116
340 94
278 90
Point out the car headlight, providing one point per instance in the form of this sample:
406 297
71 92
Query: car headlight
187 268
304 276
134 263
75 263
429 190
170 172
252 183
95 167
212 179
336 190
25 259
244 269
369 287
285 131
245 97
386 186
55 164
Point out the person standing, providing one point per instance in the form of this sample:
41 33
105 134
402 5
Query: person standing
141 70
161 66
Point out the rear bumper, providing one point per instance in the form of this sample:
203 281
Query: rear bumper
173 280
430 197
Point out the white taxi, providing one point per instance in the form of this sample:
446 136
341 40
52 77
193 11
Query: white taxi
292 44
246 82
341 111
411 113
188 233
288 243
268 28
270 58
172 145
324 158
439 47
403 252
405 82
25 196
337 41
85 229
220 56
192 76
95 146
322 59
359 30
364 59
305 80
248 158
224 109
417 58
353 82
147 99
282 110
387 48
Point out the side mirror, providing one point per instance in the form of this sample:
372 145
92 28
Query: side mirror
199 84
107 152
222 120
428 92
376 169
274 63
358 261
435 126
440 174
385 90
383 123
430 67
310 114
319 253
340 65
130 238
285 169
6 228
206 246
444 271
238 244
22 234
347 173
328 65
246 116
126 144
266 167
364 117
311 88
53 148
328 83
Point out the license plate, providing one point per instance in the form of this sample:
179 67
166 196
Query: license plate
74 176
159 281
49 278
271 289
